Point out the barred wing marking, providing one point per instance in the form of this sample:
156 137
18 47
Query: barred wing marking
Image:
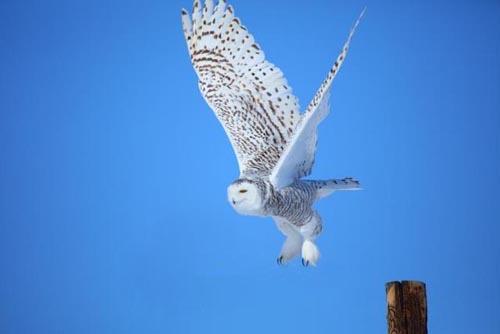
250 96
298 158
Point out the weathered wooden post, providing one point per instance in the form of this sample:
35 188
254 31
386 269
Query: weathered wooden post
406 307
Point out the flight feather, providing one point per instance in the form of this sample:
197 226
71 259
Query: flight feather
249 95
298 158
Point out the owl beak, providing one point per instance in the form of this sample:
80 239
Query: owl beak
236 202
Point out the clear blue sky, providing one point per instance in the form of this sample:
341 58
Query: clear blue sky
113 171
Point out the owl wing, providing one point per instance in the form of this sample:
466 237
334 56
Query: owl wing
249 95
298 158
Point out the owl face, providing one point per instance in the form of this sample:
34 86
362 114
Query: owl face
245 197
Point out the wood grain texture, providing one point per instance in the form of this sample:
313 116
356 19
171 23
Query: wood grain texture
406 307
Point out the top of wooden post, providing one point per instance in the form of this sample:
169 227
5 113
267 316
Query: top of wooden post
406 307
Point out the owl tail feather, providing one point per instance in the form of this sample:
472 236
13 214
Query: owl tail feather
327 187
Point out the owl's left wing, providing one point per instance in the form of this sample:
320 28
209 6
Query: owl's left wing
298 158
249 95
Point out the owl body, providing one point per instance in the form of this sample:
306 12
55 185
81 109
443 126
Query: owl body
291 207
273 141
293 202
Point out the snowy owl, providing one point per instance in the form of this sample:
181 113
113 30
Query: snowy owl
274 143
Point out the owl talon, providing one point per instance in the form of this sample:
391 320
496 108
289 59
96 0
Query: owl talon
305 263
279 260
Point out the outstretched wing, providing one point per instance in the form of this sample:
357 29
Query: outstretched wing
249 95
298 158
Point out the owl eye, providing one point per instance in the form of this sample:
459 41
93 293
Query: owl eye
243 191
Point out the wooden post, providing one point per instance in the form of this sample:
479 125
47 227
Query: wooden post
406 307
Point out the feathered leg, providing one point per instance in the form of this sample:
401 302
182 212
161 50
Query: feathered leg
293 243
309 231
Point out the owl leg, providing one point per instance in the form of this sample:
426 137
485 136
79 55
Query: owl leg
293 243
309 231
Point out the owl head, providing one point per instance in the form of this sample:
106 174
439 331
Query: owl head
246 197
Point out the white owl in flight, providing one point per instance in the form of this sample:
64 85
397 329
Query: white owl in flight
274 143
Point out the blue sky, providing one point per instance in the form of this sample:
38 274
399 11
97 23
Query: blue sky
113 171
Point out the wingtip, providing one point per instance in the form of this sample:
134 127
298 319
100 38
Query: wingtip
354 27
363 12
360 17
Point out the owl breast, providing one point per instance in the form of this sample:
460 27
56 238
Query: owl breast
294 203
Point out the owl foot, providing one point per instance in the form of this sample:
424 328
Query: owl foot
310 253
290 249
283 259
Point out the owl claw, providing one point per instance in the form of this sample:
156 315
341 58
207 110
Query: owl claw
279 260
305 263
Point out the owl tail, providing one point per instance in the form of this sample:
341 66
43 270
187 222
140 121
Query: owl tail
327 187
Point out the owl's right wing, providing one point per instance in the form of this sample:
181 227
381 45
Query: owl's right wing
249 95
298 158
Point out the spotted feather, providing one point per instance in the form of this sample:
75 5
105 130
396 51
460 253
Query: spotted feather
249 95
298 158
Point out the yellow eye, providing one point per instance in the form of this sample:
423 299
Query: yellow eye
243 191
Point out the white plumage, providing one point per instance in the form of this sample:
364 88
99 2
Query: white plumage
274 143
